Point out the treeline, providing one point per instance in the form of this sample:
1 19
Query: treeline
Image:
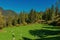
10 18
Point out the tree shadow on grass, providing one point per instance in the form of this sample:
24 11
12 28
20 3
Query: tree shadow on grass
25 38
44 33
51 38
41 34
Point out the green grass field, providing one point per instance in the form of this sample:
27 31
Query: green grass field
22 32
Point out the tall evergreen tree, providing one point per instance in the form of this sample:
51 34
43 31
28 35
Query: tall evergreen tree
22 17
52 12
56 9
15 20
47 15
32 16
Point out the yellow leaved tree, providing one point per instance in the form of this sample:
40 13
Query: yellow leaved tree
1 20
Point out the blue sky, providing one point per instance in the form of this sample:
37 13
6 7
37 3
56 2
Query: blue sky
26 5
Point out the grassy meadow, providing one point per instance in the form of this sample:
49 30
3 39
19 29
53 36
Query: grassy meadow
29 19
31 31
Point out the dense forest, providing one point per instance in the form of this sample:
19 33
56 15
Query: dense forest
50 16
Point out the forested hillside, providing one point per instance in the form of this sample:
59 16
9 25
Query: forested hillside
50 16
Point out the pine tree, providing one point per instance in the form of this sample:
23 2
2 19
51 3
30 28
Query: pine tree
32 16
47 14
22 18
56 9
52 12
15 20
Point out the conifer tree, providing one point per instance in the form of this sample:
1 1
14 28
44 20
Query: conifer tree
32 16
22 18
